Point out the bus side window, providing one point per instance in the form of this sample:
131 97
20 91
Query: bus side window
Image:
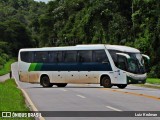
85 56
70 56
100 56
59 57
55 56
26 57
41 57
81 59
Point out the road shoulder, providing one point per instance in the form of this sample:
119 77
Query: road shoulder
27 98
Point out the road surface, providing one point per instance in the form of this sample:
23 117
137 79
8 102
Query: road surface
4 77
91 97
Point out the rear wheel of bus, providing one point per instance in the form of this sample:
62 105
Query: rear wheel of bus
45 82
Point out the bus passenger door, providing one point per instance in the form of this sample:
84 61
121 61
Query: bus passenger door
120 73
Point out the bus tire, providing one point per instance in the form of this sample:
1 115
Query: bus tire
122 86
45 82
61 84
106 82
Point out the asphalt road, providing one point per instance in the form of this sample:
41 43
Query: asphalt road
82 97
4 77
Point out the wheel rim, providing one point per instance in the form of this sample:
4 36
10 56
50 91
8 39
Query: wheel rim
106 82
45 82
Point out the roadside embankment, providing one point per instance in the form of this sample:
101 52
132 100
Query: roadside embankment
7 67
12 98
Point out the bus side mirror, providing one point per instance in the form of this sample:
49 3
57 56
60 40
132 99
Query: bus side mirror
146 62
124 55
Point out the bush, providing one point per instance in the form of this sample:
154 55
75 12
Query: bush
3 59
155 71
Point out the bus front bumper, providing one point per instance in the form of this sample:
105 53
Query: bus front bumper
136 79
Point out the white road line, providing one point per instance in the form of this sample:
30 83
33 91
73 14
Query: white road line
81 96
115 109
63 89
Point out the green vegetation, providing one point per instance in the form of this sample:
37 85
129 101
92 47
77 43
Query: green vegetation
13 99
153 81
148 86
26 23
7 67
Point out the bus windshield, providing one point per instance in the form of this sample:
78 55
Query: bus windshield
134 65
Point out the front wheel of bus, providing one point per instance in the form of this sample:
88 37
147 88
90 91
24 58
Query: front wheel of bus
106 82
45 82
122 86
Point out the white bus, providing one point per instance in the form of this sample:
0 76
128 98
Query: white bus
107 65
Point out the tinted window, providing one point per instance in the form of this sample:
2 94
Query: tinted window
55 56
26 56
41 57
122 63
70 56
113 54
85 56
100 56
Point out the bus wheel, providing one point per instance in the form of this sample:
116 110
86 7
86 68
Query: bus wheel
106 82
122 86
45 82
61 84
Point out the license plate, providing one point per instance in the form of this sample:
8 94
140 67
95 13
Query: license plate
139 81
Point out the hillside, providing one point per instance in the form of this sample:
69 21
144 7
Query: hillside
134 23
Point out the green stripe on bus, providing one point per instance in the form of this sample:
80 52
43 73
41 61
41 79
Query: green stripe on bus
32 66
38 67
35 67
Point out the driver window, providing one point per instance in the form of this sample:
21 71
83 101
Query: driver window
121 62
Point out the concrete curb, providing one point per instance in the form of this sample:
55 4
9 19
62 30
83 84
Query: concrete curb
152 84
28 100
4 77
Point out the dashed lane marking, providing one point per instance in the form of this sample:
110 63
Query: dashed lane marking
63 89
81 96
133 93
115 109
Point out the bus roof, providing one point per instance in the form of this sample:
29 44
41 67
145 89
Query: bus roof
122 48
86 47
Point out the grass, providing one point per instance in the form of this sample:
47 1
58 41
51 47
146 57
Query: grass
7 67
148 86
11 98
153 81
